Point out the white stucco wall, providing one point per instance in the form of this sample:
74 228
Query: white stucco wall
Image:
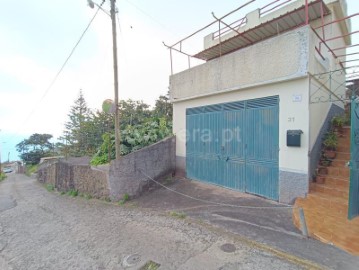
292 115
328 85
276 59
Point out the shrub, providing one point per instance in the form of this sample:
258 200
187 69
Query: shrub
330 141
50 187
72 192
179 215
124 199
2 176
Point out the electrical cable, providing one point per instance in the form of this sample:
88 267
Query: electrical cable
283 206
64 64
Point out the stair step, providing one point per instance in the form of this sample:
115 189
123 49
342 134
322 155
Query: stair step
338 172
326 205
330 190
346 130
339 163
324 199
337 182
317 209
342 148
343 156
344 141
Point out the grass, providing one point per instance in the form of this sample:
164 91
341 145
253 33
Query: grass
124 199
150 265
30 169
50 187
2 176
168 180
179 215
72 192
62 193
87 196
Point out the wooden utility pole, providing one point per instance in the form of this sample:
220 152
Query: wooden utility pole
115 75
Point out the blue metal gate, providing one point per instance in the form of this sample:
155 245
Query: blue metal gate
235 145
354 161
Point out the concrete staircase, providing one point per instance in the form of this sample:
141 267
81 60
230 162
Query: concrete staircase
326 205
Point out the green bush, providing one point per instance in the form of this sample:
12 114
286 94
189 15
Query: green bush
2 176
124 199
72 192
30 169
330 141
133 138
50 187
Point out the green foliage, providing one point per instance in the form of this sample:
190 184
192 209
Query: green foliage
330 141
133 138
30 169
78 130
2 176
124 199
163 108
92 134
150 265
133 113
338 121
179 215
35 147
72 192
50 187
62 193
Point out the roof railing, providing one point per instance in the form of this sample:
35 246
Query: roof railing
235 25
268 8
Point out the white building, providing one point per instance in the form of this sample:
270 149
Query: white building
232 114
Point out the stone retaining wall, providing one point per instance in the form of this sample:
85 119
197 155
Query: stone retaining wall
123 176
66 176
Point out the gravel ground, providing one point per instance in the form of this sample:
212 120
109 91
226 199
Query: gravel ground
44 230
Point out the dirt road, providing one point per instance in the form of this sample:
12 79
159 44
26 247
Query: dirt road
45 230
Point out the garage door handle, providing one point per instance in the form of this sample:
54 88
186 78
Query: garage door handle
219 157
227 158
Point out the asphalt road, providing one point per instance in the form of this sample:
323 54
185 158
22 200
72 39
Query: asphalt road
45 230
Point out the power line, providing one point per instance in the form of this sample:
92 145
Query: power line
151 17
62 67
64 64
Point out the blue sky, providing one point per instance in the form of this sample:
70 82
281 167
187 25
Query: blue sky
37 36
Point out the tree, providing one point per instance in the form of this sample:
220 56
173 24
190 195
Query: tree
76 135
163 108
133 112
133 138
35 147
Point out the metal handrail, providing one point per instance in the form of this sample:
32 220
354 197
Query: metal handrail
261 12
200 30
237 24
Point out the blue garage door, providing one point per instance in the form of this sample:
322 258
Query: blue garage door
235 145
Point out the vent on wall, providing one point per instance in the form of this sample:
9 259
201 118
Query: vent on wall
213 108
262 102
196 110
235 106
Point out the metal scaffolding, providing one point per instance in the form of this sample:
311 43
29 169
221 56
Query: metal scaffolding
231 36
